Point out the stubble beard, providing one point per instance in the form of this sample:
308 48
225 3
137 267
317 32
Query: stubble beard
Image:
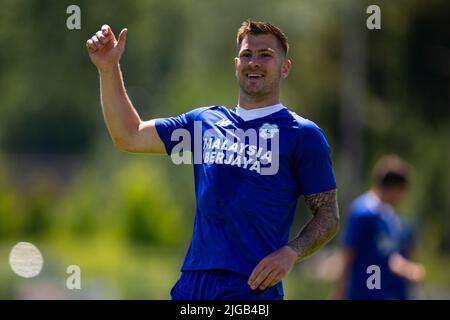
257 92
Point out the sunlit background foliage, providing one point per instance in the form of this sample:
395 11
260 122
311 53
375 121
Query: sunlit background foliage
126 219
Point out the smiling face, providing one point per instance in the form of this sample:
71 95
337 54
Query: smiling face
260 66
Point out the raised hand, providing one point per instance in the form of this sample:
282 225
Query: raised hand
104 49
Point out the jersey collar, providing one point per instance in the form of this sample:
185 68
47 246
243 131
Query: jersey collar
252 114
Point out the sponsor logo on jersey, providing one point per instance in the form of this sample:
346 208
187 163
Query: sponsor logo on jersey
223 123
268 131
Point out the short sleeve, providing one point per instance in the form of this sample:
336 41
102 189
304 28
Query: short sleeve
314 168
167 128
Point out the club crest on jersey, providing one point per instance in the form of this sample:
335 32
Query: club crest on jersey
223 123
268 131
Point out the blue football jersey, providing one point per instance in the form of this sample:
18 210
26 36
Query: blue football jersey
374 232
248 178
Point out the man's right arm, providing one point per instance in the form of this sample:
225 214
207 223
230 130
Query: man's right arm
127 130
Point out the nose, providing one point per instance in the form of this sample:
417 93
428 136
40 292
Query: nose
254 64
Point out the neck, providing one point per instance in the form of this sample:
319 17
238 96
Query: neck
382 195
249 103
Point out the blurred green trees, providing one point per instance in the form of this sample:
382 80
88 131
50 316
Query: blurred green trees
63 184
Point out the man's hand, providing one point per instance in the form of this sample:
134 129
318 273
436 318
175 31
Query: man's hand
104 49
272 268
411 271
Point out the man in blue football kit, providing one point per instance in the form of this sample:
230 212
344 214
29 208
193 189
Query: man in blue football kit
376 236
251 163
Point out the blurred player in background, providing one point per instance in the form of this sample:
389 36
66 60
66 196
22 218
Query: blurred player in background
376 236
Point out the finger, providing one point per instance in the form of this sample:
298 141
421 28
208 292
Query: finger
97 44
105 30
90 45
277 278
104 40
260 278
259 267
122 38
268 280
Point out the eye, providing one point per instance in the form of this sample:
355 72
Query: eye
266 55
246 54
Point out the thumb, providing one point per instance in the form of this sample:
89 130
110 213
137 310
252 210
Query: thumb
122 38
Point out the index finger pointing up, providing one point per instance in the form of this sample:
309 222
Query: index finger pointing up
105 30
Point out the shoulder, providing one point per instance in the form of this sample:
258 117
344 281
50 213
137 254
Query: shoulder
300 121
305 126
307 134
361 208
202 112
302 127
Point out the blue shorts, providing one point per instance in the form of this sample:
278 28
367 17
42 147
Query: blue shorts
220 284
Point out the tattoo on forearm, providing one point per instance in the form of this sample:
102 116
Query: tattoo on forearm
321 228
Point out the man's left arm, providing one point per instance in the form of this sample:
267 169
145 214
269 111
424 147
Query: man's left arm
316 233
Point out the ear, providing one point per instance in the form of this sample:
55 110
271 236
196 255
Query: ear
236 61
286 68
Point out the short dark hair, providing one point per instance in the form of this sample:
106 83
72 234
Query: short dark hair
392 171
260 27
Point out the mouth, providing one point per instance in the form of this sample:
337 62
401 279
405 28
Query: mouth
253 75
